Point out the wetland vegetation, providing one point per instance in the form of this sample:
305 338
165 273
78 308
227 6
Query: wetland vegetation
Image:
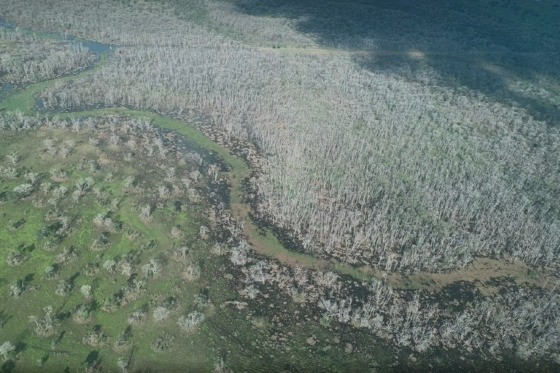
279 186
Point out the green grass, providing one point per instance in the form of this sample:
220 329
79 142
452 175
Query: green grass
239 167
267 243
226 333
42 292
23 100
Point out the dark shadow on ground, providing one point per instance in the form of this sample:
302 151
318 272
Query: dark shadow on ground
479 45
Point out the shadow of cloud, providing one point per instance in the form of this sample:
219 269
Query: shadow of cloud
499 78
497 48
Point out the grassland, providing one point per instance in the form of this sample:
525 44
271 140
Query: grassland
226 335
95 275
264 242
76 257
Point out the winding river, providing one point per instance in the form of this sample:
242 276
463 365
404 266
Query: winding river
265 243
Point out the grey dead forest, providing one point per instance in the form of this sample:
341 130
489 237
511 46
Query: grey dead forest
456 194
34 61
378 139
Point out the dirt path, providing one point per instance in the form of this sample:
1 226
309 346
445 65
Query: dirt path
411 53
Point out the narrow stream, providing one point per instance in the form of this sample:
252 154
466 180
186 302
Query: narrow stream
5 90
98 49
266 244
93 46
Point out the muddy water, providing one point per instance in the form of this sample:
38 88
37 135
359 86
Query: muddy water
5 90
269 244
92 46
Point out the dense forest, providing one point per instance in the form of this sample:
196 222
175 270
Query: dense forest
389 170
